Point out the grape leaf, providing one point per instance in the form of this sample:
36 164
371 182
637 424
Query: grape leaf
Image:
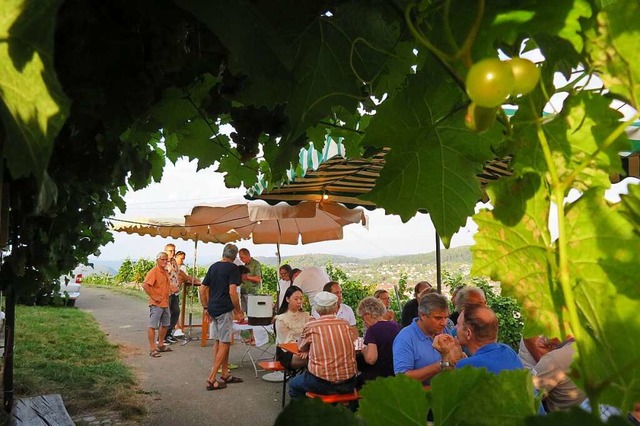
322 62
578 131
397 400
194 139
575 417
513 246
434 158
631 207
313 412
345 45
604 258
560 18
33 106
259 53
179 106
474 396
238 173
396 70
613 48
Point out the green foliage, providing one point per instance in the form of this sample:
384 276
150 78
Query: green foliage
575 417
474 393
34 105
396 400
400 296
101 279
425 145
270 282
466 396
134 271
314 412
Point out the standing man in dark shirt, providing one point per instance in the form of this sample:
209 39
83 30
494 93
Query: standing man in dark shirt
219 297
410 309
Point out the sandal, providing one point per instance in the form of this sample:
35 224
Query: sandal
231 379
212 385
164 349
155 354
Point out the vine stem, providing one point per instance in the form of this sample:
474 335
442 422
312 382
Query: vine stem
465 52
447 26
421 38
563 261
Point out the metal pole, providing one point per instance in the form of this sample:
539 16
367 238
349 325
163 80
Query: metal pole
10 318
438 263
184 287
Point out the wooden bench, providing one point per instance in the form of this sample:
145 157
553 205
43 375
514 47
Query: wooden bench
341 398
40 410
277 366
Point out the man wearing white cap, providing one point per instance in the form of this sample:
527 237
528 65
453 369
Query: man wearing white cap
344 311
329 344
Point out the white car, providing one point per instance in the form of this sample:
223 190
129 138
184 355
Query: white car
70 288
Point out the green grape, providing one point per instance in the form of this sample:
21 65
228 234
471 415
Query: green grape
479 119
525 74
490 82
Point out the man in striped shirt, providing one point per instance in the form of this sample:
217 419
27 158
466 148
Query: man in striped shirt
329 344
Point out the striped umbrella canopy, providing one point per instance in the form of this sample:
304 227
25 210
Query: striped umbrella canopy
344 180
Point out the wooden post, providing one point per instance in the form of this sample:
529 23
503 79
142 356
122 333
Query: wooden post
10 322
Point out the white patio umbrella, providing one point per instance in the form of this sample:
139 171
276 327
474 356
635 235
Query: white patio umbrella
306 222
169 228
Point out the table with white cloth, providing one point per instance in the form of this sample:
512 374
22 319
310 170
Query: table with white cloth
263 348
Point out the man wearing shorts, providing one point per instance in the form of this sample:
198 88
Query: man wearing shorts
219 297
156 285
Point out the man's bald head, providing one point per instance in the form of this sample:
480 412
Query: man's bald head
482 322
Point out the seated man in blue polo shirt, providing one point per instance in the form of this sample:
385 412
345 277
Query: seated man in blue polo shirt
478 332
413 351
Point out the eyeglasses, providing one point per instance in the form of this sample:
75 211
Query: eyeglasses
166 259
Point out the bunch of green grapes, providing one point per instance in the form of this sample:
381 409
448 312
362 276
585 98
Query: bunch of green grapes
491 82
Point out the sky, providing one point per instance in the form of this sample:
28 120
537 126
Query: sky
182 188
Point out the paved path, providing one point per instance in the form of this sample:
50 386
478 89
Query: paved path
176 382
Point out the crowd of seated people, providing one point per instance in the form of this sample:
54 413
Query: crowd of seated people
422 347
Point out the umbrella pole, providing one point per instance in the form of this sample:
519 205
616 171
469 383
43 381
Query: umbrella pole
438 263
278 274
278 253
184 288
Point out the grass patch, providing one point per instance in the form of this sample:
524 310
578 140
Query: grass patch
61 350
